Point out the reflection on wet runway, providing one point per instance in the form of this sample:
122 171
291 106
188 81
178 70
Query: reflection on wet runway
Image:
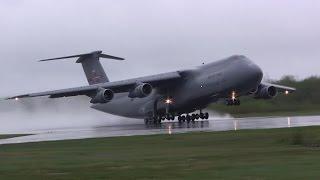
165 128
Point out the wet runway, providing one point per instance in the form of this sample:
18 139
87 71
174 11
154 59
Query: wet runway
137 128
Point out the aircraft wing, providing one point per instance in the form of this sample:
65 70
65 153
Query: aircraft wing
281 89
116 86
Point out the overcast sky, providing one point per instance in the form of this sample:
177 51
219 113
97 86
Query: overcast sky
154 36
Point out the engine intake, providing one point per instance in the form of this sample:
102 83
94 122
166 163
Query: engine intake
266 92
140 91
102 96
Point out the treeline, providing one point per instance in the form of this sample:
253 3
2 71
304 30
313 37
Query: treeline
306 100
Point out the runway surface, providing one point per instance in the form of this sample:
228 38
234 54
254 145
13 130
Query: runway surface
137 128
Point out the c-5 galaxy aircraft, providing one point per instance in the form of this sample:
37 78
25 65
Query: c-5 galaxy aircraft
168 95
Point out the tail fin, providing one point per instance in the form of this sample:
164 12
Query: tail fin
91 65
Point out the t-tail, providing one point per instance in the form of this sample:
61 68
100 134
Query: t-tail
91 65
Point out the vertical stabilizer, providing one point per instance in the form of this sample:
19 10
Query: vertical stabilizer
93 69
91 65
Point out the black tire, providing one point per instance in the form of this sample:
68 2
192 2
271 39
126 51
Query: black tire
206 115
183 118
201 115
188 118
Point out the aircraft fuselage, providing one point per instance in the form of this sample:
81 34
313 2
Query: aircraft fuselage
196 90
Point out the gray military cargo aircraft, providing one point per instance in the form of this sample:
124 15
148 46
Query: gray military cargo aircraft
168 95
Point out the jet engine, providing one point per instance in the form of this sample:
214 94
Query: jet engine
266 92
141 90
102 96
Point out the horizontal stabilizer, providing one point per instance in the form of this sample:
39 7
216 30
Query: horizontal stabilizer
83 56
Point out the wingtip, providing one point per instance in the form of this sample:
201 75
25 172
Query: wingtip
7 98
16 97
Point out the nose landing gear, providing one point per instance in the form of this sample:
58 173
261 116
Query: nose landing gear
233 102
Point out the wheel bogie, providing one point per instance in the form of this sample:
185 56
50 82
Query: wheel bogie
181 118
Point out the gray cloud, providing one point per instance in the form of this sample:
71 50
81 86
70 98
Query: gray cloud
154 36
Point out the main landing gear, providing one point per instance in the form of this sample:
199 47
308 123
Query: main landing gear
158 119
171 117
193 117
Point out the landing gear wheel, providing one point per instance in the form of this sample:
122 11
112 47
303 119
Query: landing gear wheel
172 117
183 118
188 118
206 115
193 117
201 115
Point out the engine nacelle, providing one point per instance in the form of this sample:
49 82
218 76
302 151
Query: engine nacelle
102 96
266 92
141 90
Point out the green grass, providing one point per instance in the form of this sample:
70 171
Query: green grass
292 153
